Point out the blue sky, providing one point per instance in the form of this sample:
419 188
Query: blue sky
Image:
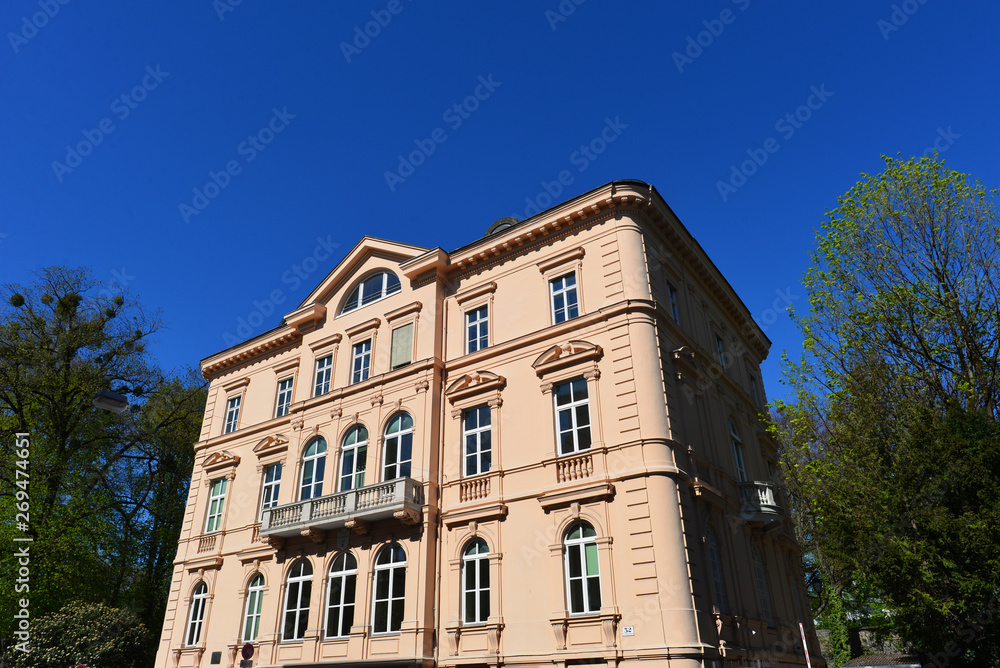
287 117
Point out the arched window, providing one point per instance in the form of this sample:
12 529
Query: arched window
297 597
583 573
762 589
251 620
197 614
375 287
476 582
389 590
313 467
353 458
340 595
398 448
715 564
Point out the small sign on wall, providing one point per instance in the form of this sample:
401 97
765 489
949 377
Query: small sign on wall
628 630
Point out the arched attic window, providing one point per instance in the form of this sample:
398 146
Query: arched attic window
373 288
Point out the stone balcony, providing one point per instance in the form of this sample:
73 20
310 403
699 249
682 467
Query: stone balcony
759 504
401 499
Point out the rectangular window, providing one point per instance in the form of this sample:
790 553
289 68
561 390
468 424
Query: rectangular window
476 433
324 366
272 481
402 346
753 390
284 397
572 416
674 312
476 329
232 414
741 467
216 500
361 361
564 301
720 347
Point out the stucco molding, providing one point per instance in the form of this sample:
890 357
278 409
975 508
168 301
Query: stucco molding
566 354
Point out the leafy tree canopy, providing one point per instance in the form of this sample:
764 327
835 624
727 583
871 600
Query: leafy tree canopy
106 491
891 442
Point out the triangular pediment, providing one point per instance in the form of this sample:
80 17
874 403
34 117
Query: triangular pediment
357 263
477 381
221 459
271 445
570 352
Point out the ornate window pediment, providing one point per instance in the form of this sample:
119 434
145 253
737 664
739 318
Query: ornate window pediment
221 460
477 382
271 445
566 354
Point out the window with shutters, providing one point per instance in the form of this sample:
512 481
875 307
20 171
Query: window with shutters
402 346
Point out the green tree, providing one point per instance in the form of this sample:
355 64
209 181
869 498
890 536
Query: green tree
88 633
891 442
107 491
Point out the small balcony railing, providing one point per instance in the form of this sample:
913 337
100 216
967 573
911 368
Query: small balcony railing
760 503
401 498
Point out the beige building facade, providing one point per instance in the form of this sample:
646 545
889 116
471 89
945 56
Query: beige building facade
541 448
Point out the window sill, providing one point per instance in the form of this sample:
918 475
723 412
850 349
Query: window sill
564 622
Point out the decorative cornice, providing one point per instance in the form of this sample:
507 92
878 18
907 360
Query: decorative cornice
474 383
325 342
477 291
403 311
236 384
561 258
248 351
362 328
221 460
271 445
304 316
566 354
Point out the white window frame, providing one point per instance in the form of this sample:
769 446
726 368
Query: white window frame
571 407
477 328
323 375
197 615
232 414
304 582
347 575
384 292
251 614
355 477
361 361
284 400
397 440
476 582
270 486
564 292
741 464
318 470
216 504
476 435
586 580
391 570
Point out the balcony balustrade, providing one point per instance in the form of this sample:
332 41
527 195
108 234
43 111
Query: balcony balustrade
760 504
401 498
